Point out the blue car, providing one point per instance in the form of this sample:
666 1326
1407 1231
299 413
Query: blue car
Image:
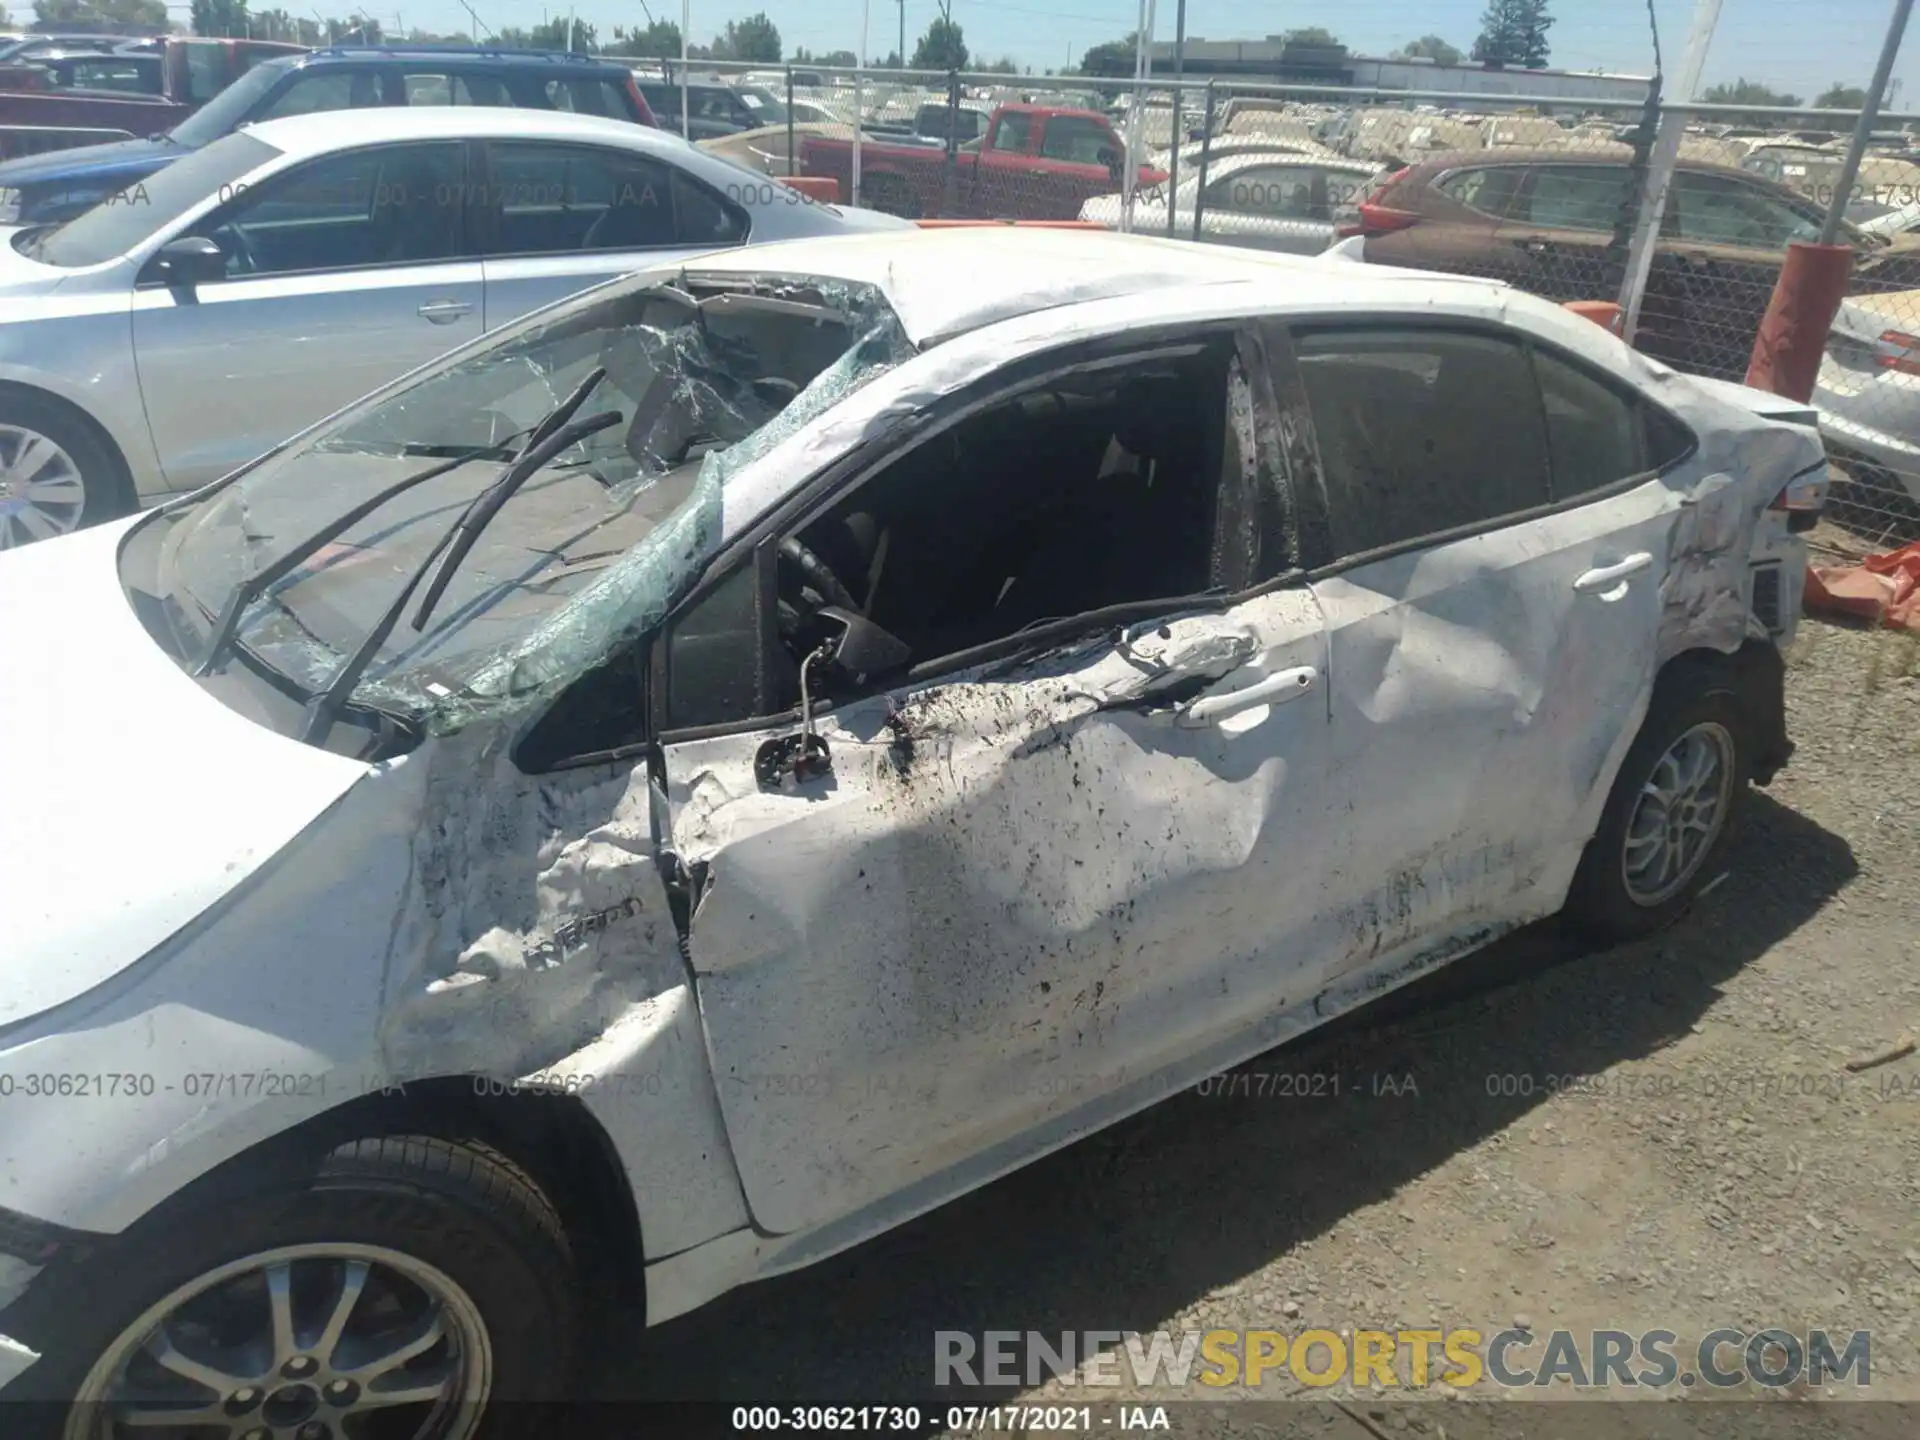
56 186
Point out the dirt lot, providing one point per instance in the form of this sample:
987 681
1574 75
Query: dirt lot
1714 1163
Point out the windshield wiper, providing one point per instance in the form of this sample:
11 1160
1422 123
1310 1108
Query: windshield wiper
252 588
454 544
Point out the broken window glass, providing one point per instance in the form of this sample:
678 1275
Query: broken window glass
588 554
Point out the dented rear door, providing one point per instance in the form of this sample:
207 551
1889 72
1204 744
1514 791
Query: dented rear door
1490 652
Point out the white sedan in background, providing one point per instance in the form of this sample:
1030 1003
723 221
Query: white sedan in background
908 702
219 306
1255 198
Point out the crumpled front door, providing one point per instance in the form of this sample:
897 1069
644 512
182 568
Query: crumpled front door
1008 897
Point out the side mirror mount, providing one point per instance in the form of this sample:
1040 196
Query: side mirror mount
1116 165
189 260
863 650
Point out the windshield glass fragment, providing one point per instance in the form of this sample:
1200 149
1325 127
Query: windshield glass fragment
590 551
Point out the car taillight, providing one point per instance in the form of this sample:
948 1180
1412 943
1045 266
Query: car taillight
1384 220
1804 494
1897 352
1374 218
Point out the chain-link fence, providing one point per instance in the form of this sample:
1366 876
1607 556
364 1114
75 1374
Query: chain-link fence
1545 193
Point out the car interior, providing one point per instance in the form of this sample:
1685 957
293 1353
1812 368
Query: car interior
353 210
1096 490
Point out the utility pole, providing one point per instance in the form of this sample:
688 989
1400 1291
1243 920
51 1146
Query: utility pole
902 52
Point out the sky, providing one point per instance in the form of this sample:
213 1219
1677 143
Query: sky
1800 46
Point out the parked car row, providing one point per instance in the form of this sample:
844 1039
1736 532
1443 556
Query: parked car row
63 183
296 264
674 787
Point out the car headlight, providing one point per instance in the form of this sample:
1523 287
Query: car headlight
10 201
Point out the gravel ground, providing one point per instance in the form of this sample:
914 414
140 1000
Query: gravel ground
1716 1166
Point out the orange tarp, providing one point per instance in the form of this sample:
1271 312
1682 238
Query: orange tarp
1884 587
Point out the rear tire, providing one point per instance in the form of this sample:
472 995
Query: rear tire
1673 805
58 474
377 1243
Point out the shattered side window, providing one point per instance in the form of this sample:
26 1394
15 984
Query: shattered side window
587 555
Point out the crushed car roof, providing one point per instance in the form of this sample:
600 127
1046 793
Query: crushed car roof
943 283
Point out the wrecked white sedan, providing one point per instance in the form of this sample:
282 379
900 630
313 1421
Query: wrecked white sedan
747 754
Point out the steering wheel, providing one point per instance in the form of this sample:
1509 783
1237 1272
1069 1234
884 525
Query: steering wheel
233 240
804 575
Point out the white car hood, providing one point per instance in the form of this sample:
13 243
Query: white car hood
133 799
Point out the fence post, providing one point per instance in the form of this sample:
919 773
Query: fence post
1666 153
1179 131
686 87
793 159
947 177
1200 180
1850 167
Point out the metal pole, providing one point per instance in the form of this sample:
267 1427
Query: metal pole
1666 152
902 51
1134 113
686 90
1179 131
793 159
1200 181
859 97
1850 167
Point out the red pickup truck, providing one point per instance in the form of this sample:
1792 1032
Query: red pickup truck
165 81
1033 163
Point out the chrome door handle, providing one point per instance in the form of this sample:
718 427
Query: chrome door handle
1274 689
445 312
1606 577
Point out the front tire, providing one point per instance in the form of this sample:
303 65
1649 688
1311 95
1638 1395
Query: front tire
57 474
397 1285
1672 808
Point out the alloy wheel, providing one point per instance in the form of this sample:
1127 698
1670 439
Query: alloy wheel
303 1342
1681 810
42 493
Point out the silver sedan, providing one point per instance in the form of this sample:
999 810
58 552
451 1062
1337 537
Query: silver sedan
1261 199
181 328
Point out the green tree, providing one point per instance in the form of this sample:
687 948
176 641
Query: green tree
1005 65
943 47
838 59
1513 32
1840 97
561 34
1431 47
1311 35
1112 57
659 39
119 12
755 38
1747 92
219 17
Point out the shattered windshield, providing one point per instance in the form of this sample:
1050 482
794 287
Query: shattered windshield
592 549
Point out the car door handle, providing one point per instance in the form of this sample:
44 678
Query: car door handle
1274 689
445 312
1606 577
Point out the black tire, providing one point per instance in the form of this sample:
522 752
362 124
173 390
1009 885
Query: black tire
1601 900
462 1208
109 488
890 195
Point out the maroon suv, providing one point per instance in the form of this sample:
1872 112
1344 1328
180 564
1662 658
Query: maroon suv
1545 221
